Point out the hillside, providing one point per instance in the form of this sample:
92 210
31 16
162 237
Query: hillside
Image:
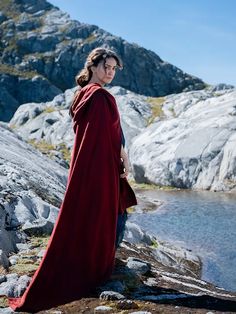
42 50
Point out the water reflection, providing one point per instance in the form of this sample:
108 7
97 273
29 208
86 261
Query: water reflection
202 221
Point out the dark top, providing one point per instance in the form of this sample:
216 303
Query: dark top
122 138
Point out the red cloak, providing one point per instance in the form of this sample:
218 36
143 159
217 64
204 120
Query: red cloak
80 253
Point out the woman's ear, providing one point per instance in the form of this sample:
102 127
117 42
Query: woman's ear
93 68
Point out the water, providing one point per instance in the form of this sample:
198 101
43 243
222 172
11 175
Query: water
202 221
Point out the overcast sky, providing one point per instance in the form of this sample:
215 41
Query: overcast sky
198 36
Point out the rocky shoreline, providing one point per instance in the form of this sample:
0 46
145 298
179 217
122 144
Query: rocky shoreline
150 276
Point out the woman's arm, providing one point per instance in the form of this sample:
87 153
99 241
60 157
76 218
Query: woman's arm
124 157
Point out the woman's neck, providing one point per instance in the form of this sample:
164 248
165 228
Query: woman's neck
96 81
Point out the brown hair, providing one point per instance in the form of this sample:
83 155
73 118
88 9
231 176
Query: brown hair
95 56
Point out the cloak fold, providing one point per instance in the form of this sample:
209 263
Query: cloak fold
80 253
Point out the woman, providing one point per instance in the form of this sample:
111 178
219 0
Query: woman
80 253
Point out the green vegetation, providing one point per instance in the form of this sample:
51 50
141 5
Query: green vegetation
47 148
156 106
146 186
154 244
66 153
90 38
49 109
43 146
11 70
9 8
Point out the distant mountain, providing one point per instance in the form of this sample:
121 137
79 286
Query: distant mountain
42 49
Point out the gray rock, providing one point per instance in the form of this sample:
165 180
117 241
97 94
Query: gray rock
134 234
111 295
141 312
7 310
10 85
126 305
2 17
8 287
4 261
138 265
113 285
193 148
38 227
3 278
32 187
21 286
103 309
51 122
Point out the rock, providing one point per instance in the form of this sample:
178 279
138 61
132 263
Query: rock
41 253
113 285
8 287
13 259
32 187
2 17
7 310
50 122
111 295
3 278
141 312
103 309
11 85
21 286
38 227
193 148
138 265
126 305
134 234
4 261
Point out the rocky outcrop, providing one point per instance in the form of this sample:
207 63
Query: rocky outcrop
191 145
31 189
147 276
42 50
182 140
50 122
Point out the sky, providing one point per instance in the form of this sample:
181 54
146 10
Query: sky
197 36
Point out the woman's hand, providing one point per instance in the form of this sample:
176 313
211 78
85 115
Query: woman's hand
125 161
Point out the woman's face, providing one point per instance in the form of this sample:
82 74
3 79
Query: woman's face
105 72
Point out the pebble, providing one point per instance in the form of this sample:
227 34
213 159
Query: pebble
111 295
103 309
141 312
126 305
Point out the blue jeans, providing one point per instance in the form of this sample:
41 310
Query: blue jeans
120 230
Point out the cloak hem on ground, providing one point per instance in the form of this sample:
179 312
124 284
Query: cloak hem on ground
80 254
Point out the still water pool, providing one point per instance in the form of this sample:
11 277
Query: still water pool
202 221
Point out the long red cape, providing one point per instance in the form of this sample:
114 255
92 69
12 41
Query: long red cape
80 253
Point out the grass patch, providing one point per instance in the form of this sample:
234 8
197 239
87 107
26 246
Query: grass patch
39 241
89 39
156 106
66 153
49 149
145 186
8 69
154 244
42 146
49 109
24 267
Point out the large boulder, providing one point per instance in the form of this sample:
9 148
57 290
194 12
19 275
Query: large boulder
32 188
193 146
